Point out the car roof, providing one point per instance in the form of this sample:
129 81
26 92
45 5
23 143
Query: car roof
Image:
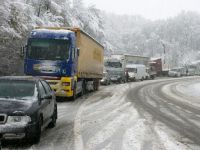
21 78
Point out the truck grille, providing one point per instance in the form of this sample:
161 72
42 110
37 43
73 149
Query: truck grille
2 118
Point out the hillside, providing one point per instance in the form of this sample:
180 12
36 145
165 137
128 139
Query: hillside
175 38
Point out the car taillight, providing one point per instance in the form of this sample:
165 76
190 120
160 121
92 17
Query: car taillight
66 84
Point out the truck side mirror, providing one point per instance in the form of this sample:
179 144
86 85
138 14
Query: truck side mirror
22 52
78 51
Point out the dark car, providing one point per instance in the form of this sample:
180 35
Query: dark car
27 106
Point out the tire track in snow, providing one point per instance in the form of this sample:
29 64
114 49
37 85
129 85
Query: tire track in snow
106 132
78 139
114 112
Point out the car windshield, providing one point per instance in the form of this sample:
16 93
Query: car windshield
132 70
16 89
114 64
175 70
115 72
48 49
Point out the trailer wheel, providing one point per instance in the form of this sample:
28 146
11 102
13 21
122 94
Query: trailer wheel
96 85
83 89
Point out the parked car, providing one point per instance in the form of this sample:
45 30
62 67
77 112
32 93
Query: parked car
106 79
27 106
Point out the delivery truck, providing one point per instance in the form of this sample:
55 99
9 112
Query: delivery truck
68 58
128 59
136 72
115 70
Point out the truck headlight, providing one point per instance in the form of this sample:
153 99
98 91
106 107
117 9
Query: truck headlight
19 119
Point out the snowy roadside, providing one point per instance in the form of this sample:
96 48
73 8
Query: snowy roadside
108 121
190 89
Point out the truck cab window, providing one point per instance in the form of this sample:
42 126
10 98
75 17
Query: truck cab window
48 49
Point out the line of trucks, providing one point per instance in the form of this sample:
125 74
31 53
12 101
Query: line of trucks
73 62
125 68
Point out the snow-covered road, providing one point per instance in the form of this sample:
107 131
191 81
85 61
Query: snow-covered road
151 115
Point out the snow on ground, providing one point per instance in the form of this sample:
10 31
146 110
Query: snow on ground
169 142
190 89
97 112
187 92
108 121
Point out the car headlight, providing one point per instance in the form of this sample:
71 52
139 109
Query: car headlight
19 119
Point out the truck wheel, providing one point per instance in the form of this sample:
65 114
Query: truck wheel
83 89
120 81
96 85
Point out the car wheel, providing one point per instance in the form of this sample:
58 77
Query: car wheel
36 137
52 124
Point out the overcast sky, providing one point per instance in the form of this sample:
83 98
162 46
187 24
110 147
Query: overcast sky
151 9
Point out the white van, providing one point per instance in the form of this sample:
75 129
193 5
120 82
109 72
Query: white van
136 72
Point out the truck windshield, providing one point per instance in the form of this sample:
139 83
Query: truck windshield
48 49
16 89
114 64
132 70
176 70
115 72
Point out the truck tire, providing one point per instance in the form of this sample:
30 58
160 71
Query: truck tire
120 81
83 88
152 77
96 85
